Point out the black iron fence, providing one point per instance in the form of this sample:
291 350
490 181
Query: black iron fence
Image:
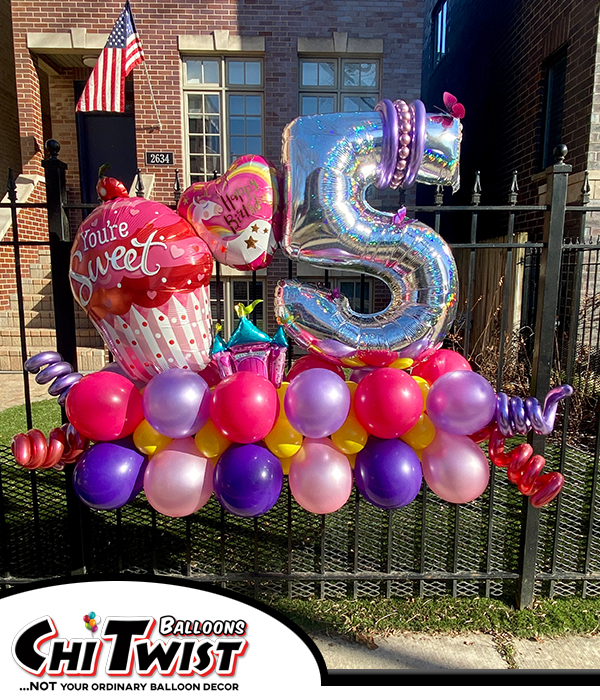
529 320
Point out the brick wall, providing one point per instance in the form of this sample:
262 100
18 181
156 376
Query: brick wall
495 66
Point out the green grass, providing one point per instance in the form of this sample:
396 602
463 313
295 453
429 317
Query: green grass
357 619
46 415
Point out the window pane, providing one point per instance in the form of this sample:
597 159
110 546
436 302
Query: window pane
358 104
309 105
253 104
194 71
309 73
212 125
211 72
197 164
351 74
326 105
253 126
195 104
237 146
253 73
196 126
254 145
213 144
213 163
326 74
236 125
236 72
368 74
211 104
195 144
236 104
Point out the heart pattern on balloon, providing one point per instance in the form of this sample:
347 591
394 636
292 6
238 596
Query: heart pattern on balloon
142 275
237 215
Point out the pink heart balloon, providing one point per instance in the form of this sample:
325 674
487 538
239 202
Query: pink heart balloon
238 214
142 275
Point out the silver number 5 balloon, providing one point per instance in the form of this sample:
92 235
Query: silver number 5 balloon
329 162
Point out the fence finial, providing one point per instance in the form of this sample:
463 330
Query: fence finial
560 153
514 189
139 187
11 186
439 195
53 148
585 189
476 192
176 187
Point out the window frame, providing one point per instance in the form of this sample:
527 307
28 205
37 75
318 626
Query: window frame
223 89
338 90
439 21
560 57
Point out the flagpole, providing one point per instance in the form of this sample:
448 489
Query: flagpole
152 96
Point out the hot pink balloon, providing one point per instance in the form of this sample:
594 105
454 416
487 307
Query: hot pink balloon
440 363
455 468
179 480
320 476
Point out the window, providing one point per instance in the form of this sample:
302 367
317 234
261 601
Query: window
352 290
556 72
223 102
338 85
440 26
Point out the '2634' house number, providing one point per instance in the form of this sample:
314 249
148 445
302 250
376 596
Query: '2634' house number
160 158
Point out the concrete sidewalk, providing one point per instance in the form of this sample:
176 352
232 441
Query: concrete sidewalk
460 652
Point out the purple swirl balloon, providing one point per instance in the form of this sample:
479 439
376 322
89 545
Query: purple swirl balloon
517 417
60 373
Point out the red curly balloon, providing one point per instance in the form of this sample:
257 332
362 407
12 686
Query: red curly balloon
64 445
523 467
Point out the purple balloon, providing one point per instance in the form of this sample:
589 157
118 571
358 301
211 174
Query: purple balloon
176 402
455 468
248 480
317 402
109 474
388 473
461 402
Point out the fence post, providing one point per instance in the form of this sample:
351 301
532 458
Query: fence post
543 354
64 318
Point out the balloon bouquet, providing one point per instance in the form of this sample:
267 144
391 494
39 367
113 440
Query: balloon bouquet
182 415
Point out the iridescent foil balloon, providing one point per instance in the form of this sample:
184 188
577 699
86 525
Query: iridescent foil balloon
330 161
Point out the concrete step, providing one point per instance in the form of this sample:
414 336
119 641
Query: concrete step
32 302
88 359
40 337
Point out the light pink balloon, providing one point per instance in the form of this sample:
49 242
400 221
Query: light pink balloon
320 476
455 468
179 480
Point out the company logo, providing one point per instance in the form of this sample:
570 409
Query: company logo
125 646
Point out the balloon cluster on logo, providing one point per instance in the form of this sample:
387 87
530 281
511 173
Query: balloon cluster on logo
181 415
91 621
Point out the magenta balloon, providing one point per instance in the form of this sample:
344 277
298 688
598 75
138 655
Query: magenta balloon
461 402
320 476
176 402
317 402
455 468
178 480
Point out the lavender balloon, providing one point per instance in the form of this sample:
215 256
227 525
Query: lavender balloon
461 402
109 474
179 480
320 476
388 473
176 403
248 480
455 468
317 402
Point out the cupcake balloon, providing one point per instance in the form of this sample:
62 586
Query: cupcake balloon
142 275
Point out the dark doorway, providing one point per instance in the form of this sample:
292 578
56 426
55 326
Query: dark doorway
106 137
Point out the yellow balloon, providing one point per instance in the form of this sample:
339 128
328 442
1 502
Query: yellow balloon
351 437
424 387
352 460
420 435
285 463
148 440
281 393
211 442
402 363
283 440
352 386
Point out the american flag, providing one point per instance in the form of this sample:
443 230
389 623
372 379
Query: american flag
105 88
